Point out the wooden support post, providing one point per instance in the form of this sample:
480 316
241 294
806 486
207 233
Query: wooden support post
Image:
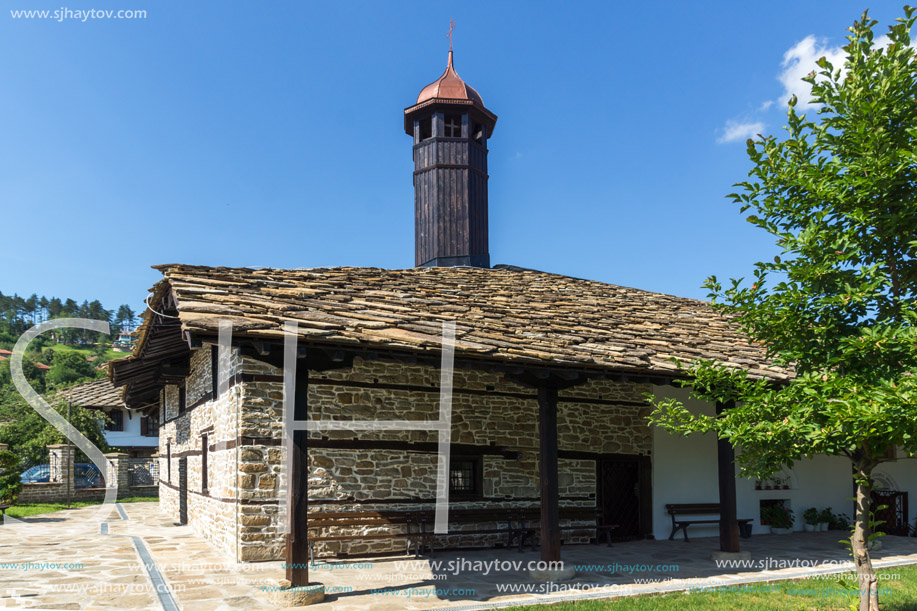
550 509
725 458
298 539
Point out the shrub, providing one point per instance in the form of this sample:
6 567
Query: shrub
10 474
778 516
810 515
839 521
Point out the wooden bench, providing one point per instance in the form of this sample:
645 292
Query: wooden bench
528 524
700 509
520 526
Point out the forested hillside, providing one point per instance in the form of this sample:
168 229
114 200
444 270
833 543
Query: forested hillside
19 313
53 361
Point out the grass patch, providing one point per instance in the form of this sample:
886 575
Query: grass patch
33 509
87 351
827 593
25 510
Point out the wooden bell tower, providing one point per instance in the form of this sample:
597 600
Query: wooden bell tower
450 127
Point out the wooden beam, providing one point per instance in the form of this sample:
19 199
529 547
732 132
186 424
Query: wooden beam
426 447
725 458
298 539
547 462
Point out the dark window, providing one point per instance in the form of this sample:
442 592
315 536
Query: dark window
477 132
453 125
149 426
181 400
426 128
214 371
116 423
169 462
204 463
465 476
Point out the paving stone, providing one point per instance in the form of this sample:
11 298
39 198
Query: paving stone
205 579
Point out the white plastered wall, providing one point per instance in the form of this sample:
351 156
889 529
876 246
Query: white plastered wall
685 471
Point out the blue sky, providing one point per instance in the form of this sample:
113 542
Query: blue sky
270 134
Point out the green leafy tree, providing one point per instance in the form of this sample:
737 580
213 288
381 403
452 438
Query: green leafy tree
10 474
68 368
101 346
32 373
839 194
28 434
125 318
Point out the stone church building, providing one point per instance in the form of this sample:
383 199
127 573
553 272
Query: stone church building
549 407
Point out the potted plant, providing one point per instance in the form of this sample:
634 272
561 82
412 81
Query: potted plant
824 519
779 518
839 521
810 516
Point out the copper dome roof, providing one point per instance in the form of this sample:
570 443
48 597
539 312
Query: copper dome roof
449 86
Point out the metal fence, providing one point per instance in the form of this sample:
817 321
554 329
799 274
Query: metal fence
143 472
47 468
85 473
35 469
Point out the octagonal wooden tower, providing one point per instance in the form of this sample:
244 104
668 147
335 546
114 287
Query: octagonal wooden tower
450 127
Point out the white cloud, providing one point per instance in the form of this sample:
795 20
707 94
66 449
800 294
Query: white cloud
734 130
799 61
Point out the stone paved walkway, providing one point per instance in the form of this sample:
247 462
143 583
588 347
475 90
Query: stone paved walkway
112 575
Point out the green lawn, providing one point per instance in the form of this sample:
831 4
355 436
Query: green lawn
87 351
824 593
32 509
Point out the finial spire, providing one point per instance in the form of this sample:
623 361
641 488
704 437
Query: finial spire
451 27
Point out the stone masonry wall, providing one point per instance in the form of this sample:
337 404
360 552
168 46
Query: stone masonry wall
488 411
211 511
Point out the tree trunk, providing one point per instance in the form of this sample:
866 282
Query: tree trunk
866 575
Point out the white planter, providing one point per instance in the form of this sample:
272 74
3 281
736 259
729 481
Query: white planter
822 526
810 528
781 531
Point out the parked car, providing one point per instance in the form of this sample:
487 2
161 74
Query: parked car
36 473
85 475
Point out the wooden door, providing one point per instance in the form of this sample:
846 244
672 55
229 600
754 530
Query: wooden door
623 495
895 515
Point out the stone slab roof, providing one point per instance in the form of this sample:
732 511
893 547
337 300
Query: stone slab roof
505 313
98 393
